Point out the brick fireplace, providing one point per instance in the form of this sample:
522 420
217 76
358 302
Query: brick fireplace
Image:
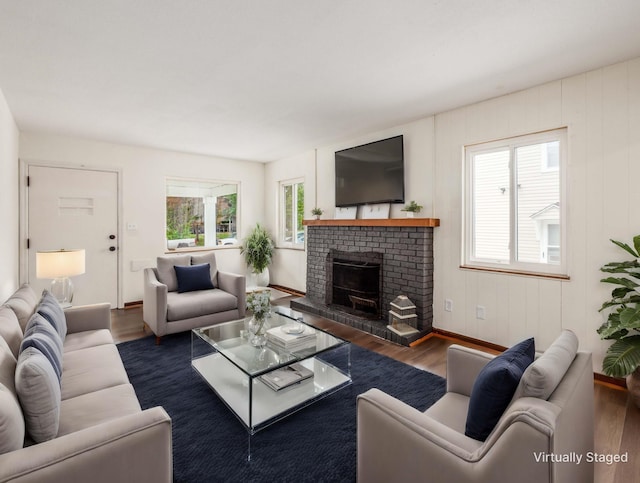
402 251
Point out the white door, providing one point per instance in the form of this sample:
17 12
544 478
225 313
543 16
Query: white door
73 209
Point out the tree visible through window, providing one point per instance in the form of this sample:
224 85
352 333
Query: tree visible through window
200 213
515 214
292 213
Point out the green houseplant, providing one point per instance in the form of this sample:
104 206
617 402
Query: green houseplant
317 212
412 208
258 250
623 320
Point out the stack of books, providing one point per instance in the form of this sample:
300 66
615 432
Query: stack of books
286 376
292 342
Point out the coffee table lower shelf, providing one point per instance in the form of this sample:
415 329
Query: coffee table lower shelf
254 403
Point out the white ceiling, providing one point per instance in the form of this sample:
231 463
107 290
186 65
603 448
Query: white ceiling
264 79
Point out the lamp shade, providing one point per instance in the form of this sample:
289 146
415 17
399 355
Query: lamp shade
59 263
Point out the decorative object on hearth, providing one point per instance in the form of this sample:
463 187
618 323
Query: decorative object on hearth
403 319
258 250
259 304
59 265
412 208
623 321
317 213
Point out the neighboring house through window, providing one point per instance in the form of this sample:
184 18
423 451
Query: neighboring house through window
201 213
291 233
515 210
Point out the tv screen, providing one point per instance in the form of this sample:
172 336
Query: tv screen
371 173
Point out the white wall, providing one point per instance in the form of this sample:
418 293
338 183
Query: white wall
602 112
601 109
289 266
9 205
143 177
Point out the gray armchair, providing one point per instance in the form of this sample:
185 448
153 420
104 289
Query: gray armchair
399 443
167 311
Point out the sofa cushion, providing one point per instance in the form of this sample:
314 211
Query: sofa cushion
40 334
50 309
166 272
210 258
10 329
194 304
494 387
12 427
97 407
38 389
7 366
193 278
23 302
545 373
92 369
87 338
450 410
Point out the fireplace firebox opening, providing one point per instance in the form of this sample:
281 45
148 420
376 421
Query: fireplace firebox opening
355 283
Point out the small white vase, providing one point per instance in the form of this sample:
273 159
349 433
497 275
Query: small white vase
262 278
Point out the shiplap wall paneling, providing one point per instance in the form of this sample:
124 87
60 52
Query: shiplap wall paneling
634 134
578 196
517 302
489 297
550 312
472 325
448 206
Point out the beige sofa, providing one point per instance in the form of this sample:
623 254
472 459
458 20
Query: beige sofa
167 311
551 413
103 435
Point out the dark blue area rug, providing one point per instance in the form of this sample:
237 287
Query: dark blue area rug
315 444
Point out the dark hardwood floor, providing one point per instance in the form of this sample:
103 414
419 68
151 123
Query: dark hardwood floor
617 421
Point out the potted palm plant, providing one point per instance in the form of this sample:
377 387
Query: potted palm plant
623 320
317 212
258 250
412 208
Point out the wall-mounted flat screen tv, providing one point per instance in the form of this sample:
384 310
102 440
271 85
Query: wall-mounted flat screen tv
371 173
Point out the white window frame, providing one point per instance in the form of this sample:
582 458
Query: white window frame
172 181
294 243
513 265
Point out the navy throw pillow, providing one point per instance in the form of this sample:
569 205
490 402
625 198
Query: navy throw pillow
50 309
193 277
41 335
494 388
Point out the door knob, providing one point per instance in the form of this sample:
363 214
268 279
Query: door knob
112 249
112 237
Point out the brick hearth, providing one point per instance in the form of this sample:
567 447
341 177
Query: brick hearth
407 268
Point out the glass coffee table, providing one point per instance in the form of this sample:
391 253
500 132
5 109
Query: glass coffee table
243 375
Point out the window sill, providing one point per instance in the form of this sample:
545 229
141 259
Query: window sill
200 249
506 271
292 247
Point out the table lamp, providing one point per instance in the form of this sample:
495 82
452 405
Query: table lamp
59 265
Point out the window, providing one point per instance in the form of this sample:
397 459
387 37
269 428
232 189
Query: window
550 155
514 216
291 214
201 213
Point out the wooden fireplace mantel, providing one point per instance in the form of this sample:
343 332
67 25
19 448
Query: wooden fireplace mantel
429 222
